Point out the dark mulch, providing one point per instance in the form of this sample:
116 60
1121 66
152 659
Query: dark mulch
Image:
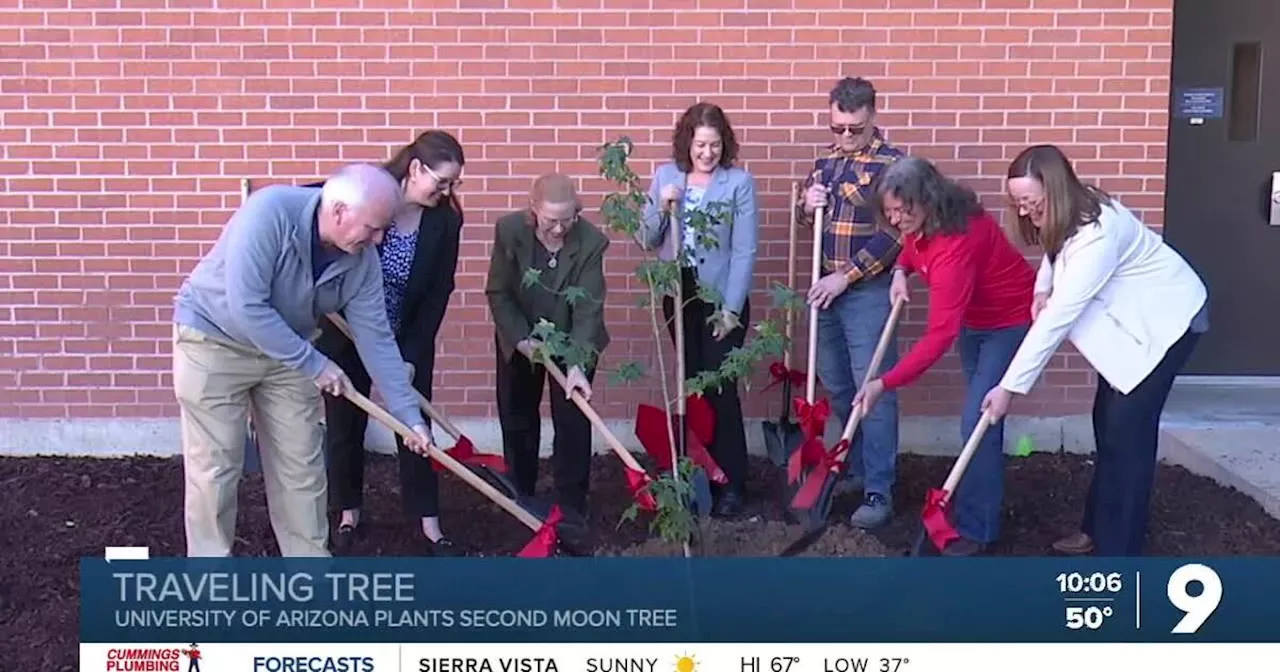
55 511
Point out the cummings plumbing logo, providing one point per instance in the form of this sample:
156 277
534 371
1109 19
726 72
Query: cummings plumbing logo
153 659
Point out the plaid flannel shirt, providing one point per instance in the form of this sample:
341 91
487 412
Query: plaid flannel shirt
852 242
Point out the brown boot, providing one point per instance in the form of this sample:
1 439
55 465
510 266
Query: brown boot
1078 543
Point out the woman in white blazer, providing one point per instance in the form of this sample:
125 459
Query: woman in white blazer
1131 305
701 176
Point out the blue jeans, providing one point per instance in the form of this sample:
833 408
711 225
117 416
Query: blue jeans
977 502
848 331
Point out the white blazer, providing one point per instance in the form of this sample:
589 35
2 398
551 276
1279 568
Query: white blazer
1119 293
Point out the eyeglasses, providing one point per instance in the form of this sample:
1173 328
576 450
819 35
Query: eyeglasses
442 184
1026 207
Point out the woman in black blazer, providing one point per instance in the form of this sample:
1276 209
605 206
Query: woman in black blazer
419 258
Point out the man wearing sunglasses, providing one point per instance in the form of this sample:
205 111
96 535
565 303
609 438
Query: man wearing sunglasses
853 293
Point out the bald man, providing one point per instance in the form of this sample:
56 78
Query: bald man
244 324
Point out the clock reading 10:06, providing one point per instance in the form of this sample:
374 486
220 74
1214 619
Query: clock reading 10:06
1097 582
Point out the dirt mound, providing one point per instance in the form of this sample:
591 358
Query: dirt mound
756 537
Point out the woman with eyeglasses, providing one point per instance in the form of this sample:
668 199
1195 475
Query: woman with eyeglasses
1131 305
552 237
419 259
702 178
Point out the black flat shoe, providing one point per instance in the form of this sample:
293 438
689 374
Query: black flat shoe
441 548
345 537
729 506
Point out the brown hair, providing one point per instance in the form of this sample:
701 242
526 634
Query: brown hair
432 149
1068 202
697 116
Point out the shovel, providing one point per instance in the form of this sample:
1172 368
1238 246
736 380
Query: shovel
545 539
936 530
491 467
783 437
637 478
813 417
815 496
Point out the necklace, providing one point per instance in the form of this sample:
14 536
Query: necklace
551 261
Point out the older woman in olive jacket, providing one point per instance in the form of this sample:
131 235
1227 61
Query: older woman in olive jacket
551 236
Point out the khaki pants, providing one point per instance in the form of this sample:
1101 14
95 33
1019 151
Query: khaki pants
217 383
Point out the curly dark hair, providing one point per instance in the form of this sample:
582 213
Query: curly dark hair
697 116
947 204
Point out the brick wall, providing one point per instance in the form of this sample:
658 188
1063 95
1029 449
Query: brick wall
127 129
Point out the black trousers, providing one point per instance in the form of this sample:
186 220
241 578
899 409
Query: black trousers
520 386
702 352
1126 429
344 444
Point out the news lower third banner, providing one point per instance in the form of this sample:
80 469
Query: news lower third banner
649 600
676 615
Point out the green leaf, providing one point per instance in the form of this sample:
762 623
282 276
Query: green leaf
573 294
531 277
1025 446
628 372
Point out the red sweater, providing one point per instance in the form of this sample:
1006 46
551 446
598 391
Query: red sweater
976 279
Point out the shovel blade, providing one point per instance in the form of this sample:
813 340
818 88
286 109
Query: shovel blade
700 502
781 439
252 456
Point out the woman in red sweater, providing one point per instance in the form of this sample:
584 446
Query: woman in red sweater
980 293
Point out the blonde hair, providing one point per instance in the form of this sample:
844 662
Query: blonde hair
554 188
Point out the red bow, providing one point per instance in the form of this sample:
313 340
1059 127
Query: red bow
828 463
544 540
465 452
781 374
638 481
812 417
935 520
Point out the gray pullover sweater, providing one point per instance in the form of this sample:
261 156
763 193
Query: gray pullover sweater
256 287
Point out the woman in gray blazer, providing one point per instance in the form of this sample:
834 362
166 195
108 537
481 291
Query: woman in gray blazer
721 257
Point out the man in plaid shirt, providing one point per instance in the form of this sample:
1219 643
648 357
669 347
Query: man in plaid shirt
853 294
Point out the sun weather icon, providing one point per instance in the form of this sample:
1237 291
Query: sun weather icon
686 663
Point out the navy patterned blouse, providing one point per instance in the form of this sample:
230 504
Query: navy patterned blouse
396 252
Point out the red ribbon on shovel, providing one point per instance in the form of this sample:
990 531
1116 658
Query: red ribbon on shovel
465 452
937 501
812 419
828 461
544 541
638 482
781 374
934 517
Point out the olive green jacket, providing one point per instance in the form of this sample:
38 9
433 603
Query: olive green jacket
517 309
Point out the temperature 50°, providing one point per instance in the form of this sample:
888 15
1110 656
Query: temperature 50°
1086 617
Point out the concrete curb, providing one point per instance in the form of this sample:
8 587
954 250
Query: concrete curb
161 437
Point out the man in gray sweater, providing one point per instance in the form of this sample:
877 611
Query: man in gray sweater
243 325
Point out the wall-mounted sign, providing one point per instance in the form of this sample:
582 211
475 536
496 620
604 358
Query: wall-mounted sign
1198 103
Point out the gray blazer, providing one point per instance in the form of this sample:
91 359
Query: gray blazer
727 267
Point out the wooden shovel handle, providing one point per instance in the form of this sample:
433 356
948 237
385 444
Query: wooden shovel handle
431 411
594 417
811 385
791 272
877 358
379 414
970 447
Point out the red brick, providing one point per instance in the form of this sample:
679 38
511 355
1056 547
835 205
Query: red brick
126 133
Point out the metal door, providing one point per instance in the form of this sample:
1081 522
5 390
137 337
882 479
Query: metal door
1222 204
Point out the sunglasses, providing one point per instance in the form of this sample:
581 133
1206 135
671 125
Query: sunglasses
851 130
